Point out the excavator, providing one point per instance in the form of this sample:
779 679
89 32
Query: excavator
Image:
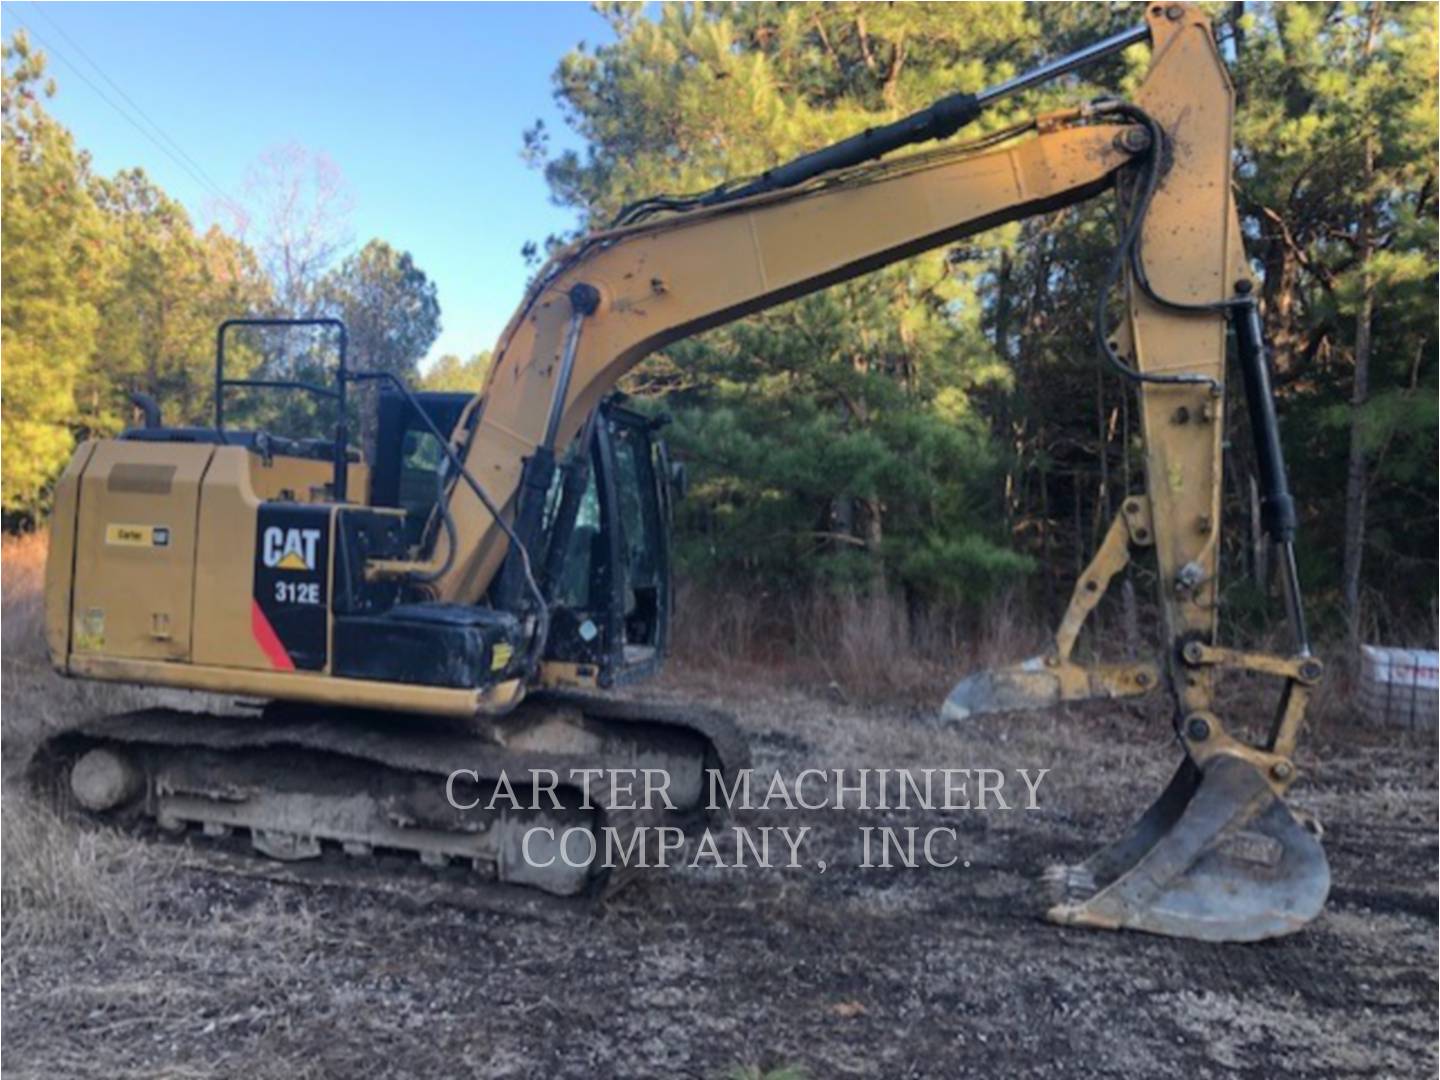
482 586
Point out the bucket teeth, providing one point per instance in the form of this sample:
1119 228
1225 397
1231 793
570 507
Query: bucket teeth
1069 883
1217 857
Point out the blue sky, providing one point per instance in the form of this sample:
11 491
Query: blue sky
422 106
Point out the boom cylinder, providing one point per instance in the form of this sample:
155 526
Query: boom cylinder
938 121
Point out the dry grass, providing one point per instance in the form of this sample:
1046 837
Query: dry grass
756 1072
60 881
866 647
63 882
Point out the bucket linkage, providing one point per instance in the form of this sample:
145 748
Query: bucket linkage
1218 856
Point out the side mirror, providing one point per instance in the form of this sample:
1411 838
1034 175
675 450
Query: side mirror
679 479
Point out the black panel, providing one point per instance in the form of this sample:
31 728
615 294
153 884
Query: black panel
365 534
450 645
292 561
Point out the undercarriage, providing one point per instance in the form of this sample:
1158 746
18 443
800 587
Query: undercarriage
553 796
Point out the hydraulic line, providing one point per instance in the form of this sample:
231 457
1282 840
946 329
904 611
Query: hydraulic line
542 607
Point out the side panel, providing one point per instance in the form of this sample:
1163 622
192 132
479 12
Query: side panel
225 568
135 549
60 560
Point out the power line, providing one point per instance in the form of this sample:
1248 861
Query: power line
190 168
127 98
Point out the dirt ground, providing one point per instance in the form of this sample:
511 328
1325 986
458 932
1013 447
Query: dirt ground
124 958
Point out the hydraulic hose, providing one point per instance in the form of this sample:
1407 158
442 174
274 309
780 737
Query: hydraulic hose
542 607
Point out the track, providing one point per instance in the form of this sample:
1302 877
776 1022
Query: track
521 801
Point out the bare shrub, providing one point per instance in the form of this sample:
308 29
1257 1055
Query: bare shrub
723 630
22 584
866 645
863 642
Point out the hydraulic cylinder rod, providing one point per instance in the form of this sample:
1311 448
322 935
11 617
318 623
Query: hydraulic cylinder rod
1277 506
938 121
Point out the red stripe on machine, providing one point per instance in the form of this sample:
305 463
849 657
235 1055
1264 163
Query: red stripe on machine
268 640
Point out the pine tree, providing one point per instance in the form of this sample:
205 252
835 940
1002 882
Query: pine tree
55 259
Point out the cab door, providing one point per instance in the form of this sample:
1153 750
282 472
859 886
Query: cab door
644 543
607 571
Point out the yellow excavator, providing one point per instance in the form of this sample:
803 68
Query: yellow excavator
479 590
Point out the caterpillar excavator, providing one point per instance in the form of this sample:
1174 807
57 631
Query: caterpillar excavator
478 591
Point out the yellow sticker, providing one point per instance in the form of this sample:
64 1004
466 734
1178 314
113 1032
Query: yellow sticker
90 631
500 656
137 535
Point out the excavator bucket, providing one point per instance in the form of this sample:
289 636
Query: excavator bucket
1024 686
1041 683
1217 857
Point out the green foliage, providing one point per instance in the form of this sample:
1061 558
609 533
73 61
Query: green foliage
451 373
168 290
1321 85
389 308
55 257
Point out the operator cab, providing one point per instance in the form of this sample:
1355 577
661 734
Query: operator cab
603 557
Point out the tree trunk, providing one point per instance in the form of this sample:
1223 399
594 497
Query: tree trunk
1357 472
873 534
1259 542
1131 611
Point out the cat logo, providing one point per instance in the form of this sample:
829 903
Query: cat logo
290 549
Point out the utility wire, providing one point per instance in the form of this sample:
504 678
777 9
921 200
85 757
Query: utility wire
200 169
191 171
